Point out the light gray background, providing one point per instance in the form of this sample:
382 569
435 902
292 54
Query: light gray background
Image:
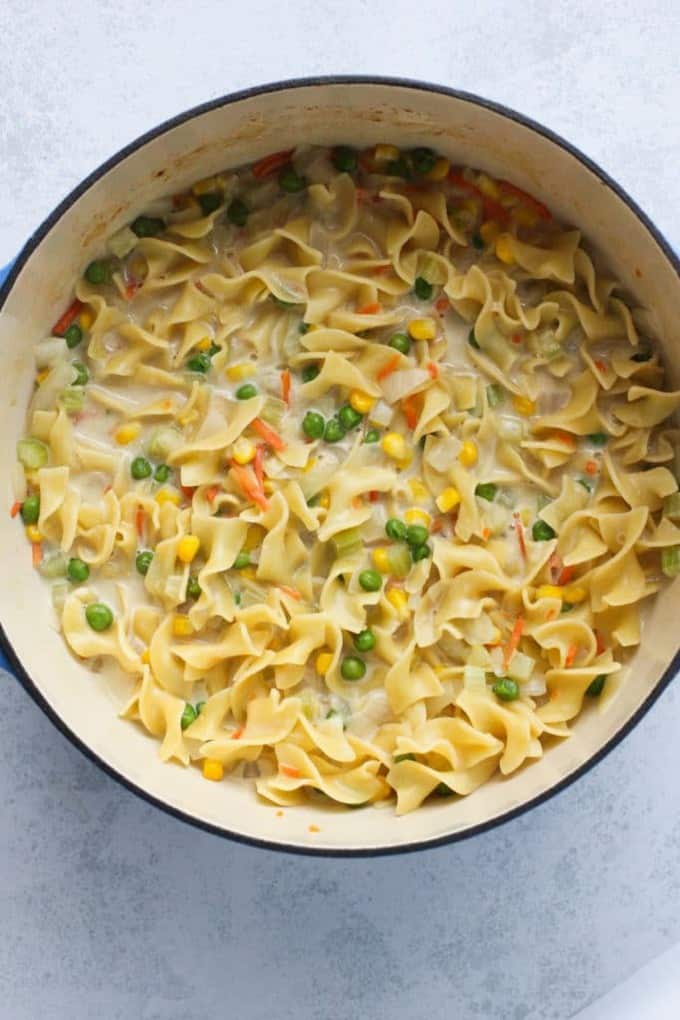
109 908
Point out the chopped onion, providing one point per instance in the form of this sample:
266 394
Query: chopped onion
474 678
510 429
164 441
442 453
47 394
521 667
122 243
535 687
380 414
49 351
401 384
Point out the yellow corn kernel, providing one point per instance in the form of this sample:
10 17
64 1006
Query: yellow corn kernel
33 533
41 376
386 153
549 591
489 231
418 490
395 446
213 769
398 599
127 433
360 401
524 406
168 496
448 499
268 486
422 329
323 663
504 249
146 656
242 370
312 462
86 318
439 170
468 454
487 186
417 516
187 547
381 560
181 626
249 573
324 500
526 517
524 216
574 593
207 185
204 344
243 451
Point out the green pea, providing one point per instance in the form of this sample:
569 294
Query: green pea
487 491
396 529
310 372
349 418
281 303
643 355
370 580
398 168
193 588
333 431
420 552
199 362
246 391
344 159
241 561
73 335
588 486
140 468
477 242
372 436
189 715
542 532
567 607
200 705
237 212
472 340
598 438
98 616
237 598
30 510
352 668
594 690
213 350
422 288
506 689
162 473
290 180
313 500
401 342
417 534
423 160
143 561
147 226
77 570
82 374
404 757
98 272
304 328
442 790
209 202
364 641
313 425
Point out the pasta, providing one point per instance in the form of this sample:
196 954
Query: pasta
360 467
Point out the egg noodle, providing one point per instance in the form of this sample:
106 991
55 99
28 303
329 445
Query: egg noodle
360 466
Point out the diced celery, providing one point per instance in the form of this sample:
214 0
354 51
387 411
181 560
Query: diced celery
164 441
495 395
670 561
54 566
273 411
72 399
32 453
547 346
399 559
347 542
474 678
510 429
671 506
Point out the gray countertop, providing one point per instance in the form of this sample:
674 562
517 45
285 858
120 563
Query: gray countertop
112 909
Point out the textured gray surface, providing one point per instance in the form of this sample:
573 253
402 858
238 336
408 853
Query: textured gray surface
110 908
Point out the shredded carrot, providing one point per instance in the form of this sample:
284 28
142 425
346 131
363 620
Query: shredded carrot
357 502
513 643
314 828
442 305
564 437
258 464
211 493
409 406
555 566
249 485
237 733
389 367
279 814
188 491
374 495
37 553
183 200
516 338
140 517
538 207
519 528
591 467
292 592
131 289
381 270
269 164
290 770
107 488
437 525
570 656
265 432
600 647
62 324
285 386
566 575
16 507
372 308
486 534
492 209
433 369
600 364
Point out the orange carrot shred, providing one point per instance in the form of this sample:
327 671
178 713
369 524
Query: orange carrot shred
357 502
290 770
211 493
555 566
237 733
564 437
410 408
374 495
433 369
258 464
62 324
538 207
516 338
37 553
372 308
16 507
437 525
591 467
442 305
513 643
314 828
140 517
570 656
274 161
188 491
600 364
249 485
519 528
292 592
265 432
601 647
389 367
566 575
285 386
486 534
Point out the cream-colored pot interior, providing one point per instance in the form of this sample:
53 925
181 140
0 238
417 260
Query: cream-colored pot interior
235 131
